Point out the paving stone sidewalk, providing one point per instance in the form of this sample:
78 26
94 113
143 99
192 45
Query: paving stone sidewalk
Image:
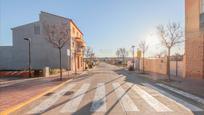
194 86
18 92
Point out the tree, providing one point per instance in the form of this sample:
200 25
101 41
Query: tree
143 47
170 36
58 36
118 54
123 53
89 54
161 54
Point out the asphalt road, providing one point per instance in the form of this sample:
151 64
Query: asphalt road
108 89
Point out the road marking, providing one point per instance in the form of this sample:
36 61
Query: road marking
73 104
44 105
180 102
185 94
99 102
125 101
159 107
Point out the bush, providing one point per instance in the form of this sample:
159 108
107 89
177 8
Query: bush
54 71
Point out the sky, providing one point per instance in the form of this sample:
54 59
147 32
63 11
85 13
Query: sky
107 24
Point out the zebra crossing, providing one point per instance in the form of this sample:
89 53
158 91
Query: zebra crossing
99 102
182 103
158 106
72 105
185 94
125 100
51 100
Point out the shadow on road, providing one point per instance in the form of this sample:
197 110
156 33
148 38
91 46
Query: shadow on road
93 89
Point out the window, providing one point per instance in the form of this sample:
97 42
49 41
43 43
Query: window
202 13
202 7
77 34
73 30
36 29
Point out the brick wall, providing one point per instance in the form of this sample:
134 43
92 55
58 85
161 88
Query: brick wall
155 65
194 44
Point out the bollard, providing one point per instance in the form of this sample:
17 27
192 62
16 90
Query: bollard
46 72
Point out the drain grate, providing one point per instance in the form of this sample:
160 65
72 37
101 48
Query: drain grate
48 94
68 93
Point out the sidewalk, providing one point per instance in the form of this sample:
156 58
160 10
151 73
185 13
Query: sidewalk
22 91
13 80
194 86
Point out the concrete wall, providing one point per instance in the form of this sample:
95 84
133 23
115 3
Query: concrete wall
53 53
42 52
5 57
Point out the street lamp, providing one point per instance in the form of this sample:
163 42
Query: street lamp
29 55
133 56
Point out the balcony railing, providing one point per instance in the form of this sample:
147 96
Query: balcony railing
80 41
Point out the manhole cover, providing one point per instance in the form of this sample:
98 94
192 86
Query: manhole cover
68 93
48 94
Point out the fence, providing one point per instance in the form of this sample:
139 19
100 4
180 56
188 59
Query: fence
177 68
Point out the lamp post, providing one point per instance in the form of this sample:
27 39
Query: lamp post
29 54
133 56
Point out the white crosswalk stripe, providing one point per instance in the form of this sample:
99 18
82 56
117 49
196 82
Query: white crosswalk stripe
99 102
159 107
124 100
185 94
44 105
180 102
73 104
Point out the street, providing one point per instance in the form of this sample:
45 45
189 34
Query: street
108 89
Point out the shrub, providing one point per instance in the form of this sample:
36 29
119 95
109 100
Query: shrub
54 71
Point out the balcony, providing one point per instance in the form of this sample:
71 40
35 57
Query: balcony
79 51
80 41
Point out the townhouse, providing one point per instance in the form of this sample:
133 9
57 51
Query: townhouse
43 54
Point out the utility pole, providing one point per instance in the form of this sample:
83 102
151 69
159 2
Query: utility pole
133 56
29 54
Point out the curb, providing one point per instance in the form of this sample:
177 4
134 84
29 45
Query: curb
18 106
8 83
143 75
168 84
165 83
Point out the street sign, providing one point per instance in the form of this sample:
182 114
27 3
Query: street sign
139 53
68 52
